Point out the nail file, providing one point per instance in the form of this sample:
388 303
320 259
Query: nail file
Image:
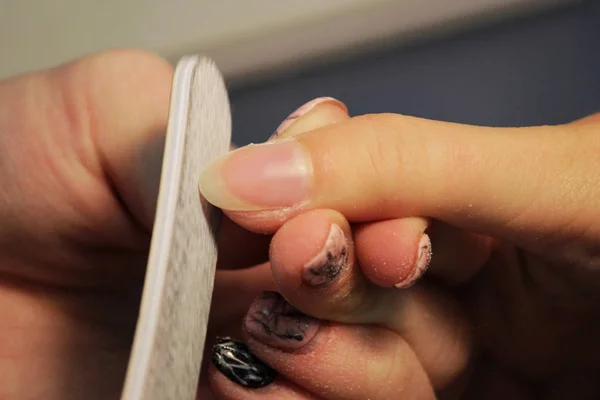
171 329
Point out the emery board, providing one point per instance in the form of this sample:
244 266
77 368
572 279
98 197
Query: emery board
171 329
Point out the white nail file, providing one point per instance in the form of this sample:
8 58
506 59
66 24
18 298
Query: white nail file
171 330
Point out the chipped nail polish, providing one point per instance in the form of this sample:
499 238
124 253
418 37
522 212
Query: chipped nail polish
234 360
275 322
423 259
331 260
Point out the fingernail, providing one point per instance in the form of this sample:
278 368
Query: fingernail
234 360
423 259
300 112
275 322
259 177
331 260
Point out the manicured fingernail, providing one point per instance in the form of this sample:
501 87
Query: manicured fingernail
300 112
234 360
331 260
423 259
259 177
275 322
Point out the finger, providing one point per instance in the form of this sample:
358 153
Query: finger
232 292
313 263
485 180
387 256
317 113
120 99
314 114
464 251
395 252
349 362
242 376
71 138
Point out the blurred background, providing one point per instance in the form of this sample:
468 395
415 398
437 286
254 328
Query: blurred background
488 62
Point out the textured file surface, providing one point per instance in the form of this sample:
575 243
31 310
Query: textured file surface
171 330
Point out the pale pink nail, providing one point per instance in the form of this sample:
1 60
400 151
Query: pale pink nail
423 259
265 176
300 112
327 265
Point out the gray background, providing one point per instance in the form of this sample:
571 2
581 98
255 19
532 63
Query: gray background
540 70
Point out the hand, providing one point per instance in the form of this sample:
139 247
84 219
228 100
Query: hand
317 266
510 214
80 165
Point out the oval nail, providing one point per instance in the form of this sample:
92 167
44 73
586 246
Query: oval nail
235 361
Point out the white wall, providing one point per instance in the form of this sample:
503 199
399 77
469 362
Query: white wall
245 36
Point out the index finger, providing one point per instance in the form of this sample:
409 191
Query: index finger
502 182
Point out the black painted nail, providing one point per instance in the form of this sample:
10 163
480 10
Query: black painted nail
234 360
275 322
331 260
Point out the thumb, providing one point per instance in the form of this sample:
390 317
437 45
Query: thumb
522 184
81 162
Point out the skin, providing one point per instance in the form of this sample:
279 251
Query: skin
80 143
325 362
78 182
512 285
80 146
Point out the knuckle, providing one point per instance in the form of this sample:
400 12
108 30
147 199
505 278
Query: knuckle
384 151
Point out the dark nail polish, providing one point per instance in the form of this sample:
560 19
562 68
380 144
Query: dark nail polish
331 260
275 322
234 360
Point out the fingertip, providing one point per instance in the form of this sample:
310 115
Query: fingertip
350 361
394 252
279 389
224 389
315 114
311 250
118 82
119 99
313 263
